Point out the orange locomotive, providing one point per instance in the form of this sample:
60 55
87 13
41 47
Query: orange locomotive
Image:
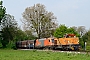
45 43
68 42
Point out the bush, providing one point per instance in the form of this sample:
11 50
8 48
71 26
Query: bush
4 43
88 48
11 45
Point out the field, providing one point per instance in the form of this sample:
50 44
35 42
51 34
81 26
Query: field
40 55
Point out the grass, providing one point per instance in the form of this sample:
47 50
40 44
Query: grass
40 55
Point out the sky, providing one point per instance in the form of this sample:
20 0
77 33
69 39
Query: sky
68 12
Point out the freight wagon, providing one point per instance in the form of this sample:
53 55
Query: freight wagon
25 44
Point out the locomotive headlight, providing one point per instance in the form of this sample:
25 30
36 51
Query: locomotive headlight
78 41
68 41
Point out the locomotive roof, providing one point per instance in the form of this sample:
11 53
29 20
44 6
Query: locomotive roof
71 35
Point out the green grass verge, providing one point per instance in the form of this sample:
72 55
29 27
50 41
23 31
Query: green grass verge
40 55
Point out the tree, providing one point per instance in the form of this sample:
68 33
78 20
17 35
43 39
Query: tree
2 11
73 31
86 38
38 20
20 35
62 30
29 35
81 30
9 28
74 27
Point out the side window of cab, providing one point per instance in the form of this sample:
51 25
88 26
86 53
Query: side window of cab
52 40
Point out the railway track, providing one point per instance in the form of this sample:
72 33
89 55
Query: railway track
75 52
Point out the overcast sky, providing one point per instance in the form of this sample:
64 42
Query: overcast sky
68 12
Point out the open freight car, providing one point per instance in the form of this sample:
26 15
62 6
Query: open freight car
26 44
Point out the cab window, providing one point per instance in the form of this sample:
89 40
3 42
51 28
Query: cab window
52 40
